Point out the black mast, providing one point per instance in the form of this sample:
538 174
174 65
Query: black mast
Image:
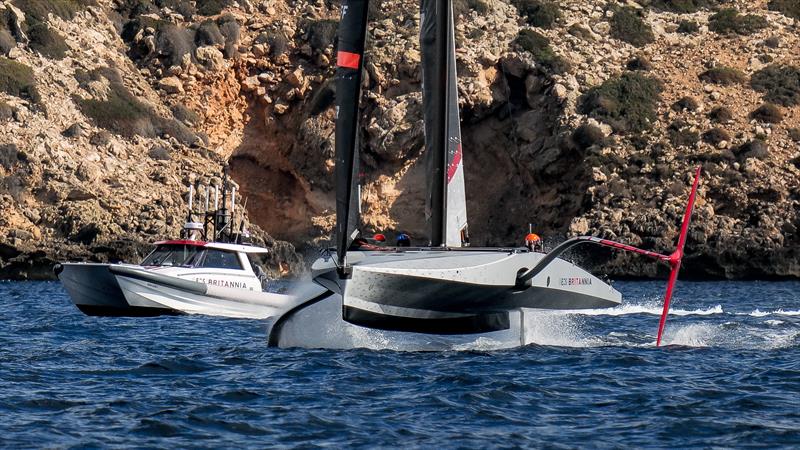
350 61
434 41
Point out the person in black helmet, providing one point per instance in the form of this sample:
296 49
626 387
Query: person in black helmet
403 240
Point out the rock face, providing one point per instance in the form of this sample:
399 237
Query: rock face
72 190
577 125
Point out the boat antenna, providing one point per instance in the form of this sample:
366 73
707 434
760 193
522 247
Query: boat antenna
206 203
222 213
191 201
233 211
239 238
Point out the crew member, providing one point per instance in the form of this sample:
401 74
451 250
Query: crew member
403 240
534 242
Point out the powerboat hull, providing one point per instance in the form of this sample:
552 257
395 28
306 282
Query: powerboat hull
449 291
94 290
146 289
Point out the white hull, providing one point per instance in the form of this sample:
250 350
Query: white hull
95 291
151 290
319 324
455 291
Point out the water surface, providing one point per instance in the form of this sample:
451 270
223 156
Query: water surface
730 376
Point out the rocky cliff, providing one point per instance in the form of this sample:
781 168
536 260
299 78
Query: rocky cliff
578 117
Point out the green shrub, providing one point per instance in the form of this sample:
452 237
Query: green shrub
17 79
230 29
720 114
580 31
211 7
38 10
125 115
208 34
772 42
768 113
278 43
9 155
183 7
682 6
539 46
681 136
715 136
159 153
6 111
688 27
588 135
639 63
120 113
538 13
756 148
46 41
627 103
174 42
789 8
729 21
626 25
135 9
685 104
320 33
463 7
101 138
7 41
780 84
722 75
184 114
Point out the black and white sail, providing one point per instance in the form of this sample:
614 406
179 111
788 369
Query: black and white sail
446 205
349 62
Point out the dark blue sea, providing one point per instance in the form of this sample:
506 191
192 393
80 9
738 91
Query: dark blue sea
729 377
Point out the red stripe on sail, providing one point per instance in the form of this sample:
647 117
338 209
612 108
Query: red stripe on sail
347 59
451 169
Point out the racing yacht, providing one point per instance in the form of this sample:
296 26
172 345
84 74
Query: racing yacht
447 287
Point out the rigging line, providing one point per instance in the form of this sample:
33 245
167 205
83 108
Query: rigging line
514 133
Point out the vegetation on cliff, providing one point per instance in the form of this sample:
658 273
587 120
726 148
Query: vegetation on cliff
628 26
17 79
627 103
538 13
121 113
729 21
539 46
779 83
723 75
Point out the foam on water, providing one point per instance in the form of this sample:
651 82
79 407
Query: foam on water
315 328
652 308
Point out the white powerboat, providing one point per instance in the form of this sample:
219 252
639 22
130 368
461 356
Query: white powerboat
447 287
217 279
186 276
